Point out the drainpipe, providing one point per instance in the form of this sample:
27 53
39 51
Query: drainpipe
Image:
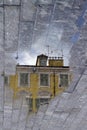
54 83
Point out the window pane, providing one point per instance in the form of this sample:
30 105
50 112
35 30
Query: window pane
44 79
64 80
24 79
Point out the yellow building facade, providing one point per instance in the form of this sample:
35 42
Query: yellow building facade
40 82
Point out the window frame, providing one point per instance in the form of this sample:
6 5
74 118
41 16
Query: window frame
48 80
19 84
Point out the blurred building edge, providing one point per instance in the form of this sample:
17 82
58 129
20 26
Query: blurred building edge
41 82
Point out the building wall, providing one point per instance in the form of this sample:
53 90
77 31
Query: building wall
34 87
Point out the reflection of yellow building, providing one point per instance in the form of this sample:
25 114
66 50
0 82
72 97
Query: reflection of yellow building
41 82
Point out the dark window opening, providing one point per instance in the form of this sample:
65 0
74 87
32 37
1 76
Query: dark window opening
44 80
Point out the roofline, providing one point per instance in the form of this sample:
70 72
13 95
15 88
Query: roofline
42 66
42 55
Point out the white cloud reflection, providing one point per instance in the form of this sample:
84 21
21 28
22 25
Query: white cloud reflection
56 48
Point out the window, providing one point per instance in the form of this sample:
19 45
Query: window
43 62
24 79
6 80
44 80
44 101
30 103
41 101
63 80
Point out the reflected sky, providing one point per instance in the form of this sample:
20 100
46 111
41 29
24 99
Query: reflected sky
28 27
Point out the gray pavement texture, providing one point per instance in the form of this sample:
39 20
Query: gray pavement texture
25 26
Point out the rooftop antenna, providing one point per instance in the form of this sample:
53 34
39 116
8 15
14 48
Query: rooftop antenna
16 56
62 52
48 49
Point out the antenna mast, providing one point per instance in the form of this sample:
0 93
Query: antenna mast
48 49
